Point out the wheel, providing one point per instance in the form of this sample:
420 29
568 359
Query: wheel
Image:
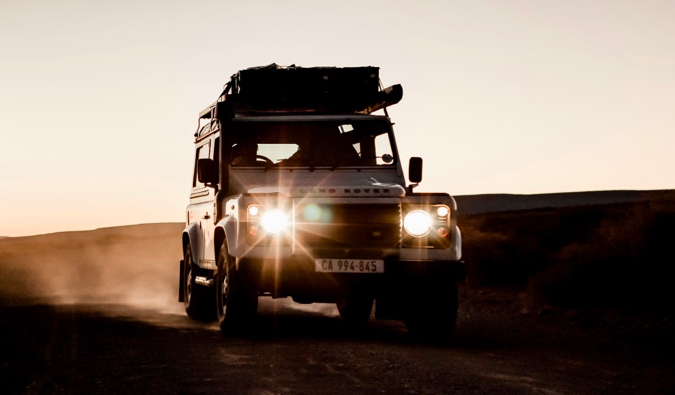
356 306
236 295
197 298
431 309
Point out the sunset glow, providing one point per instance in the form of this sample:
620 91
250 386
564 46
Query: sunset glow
99 101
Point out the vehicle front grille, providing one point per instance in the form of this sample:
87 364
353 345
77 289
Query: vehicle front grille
352 225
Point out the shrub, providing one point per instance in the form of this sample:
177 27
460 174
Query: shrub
507 249
624 264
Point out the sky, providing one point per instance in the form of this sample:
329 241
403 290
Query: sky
99 100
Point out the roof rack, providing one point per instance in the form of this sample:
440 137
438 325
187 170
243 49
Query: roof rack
278 89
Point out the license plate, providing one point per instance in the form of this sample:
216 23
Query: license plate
350 265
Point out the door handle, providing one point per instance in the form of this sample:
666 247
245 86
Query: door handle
206 216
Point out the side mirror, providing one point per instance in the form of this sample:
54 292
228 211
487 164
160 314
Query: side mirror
415 169
206 171
414 172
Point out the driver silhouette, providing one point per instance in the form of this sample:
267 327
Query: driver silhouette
245 153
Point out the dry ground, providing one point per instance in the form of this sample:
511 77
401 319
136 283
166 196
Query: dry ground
96 312
497 348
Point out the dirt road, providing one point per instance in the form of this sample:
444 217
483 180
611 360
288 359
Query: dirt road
497 348
109 324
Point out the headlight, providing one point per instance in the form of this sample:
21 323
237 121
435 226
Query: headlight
417 223
274 221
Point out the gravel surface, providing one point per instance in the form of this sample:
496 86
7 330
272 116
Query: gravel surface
499 346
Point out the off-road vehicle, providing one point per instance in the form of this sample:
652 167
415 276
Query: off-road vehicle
298 191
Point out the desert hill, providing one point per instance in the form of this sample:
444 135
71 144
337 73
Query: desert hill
569 249
477 204
609 251
137 263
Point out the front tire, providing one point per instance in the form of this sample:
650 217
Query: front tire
197 298
356 306
431 309
236 295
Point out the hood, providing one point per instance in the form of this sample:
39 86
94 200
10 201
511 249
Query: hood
365 188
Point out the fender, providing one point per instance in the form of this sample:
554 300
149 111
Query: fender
456 245
454 251
456 234
226 229
192 235
453 206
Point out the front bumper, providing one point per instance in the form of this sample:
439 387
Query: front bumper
297 277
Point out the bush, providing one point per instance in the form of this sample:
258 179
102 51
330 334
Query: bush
607 256
624 265
507 249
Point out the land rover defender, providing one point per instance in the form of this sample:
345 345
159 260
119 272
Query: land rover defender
298 191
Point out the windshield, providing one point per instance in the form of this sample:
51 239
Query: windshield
314 144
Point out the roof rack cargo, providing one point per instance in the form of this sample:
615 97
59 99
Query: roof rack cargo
275 89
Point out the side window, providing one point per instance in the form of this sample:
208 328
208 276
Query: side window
216 156
384 153
202 152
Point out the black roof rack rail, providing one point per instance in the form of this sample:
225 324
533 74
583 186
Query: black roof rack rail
292 89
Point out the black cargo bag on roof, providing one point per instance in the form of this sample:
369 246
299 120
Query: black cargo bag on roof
347 89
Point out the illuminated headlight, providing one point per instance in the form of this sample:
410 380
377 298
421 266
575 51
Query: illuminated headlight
274 221
417 223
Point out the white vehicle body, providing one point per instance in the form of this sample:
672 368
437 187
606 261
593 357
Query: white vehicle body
330 223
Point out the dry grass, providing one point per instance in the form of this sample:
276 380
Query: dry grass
607 256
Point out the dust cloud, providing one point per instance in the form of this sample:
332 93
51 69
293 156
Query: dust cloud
130 265
134 266
268 306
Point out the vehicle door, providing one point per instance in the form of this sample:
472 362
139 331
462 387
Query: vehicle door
208 219
200 209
